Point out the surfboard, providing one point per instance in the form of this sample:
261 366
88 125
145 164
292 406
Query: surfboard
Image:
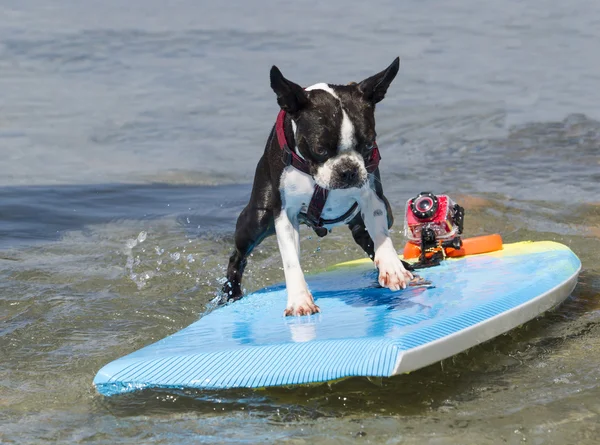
363 329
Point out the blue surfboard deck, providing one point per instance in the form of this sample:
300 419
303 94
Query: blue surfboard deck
363 330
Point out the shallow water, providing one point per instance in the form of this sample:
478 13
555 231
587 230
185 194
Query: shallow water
129 137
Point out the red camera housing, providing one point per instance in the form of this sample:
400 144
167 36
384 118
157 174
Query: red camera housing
436 212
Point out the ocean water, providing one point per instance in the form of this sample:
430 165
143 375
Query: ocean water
129 134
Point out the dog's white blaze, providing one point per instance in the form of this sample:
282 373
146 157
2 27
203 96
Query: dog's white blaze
346 133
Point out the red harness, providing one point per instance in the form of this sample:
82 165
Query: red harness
312 217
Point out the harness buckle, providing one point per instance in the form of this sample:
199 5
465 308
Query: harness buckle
320 231
317 226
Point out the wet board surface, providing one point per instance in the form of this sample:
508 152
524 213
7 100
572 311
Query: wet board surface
363 330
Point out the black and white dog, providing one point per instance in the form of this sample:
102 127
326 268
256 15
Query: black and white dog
320 167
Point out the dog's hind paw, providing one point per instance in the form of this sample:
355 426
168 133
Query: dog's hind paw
301 305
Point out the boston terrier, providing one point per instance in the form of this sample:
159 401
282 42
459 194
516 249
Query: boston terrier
319 168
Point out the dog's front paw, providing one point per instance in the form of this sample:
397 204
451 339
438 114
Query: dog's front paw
392 273
301 304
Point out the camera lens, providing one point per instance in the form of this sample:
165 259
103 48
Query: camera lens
424 206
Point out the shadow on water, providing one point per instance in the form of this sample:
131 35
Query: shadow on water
479 372
43 213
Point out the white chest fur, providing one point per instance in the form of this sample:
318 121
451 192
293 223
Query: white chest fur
297 188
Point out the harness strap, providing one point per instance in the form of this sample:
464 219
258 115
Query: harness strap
312 217
289 157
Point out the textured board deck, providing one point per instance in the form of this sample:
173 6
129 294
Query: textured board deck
363 330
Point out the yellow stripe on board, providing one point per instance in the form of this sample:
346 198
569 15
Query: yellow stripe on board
520 248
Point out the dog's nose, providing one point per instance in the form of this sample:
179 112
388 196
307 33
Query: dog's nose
350 174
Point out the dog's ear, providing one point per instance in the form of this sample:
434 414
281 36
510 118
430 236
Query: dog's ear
291 97
375 87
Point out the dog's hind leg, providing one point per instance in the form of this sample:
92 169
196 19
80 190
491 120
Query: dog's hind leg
253 226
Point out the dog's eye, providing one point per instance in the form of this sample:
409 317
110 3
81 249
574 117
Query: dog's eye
320 151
